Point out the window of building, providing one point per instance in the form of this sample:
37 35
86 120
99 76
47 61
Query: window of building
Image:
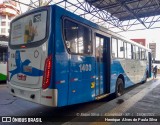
129 51
77 38
3 17
120 49
3 30
114 48
9 18
3 23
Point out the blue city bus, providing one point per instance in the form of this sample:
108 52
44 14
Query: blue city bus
57 58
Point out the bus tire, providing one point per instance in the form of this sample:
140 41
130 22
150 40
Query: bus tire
119 87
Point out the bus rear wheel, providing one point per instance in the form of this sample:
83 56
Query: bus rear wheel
119 87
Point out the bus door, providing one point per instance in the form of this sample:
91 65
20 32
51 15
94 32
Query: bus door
102 54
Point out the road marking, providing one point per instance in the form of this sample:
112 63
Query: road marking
3 85
122 108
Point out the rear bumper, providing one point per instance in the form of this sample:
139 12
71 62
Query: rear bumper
46 97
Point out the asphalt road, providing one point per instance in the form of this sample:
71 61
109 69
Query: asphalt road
13 106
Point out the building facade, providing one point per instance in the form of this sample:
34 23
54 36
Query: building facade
152 46
140 41
8 10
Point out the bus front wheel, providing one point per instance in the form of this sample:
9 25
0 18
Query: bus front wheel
119 87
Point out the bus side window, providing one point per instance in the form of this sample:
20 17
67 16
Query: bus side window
143 54
125 50
114 48
120 49
77 38
84 40
133 51
70 32
147 58
129 51
140 54
137 52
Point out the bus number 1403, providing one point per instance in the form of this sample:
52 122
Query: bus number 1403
85 67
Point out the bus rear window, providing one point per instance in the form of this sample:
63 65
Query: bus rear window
29 29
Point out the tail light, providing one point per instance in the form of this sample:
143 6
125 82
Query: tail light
47 72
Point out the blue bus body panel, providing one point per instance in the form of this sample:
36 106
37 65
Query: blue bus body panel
73 85
80 81
76 85
61 61
51 46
